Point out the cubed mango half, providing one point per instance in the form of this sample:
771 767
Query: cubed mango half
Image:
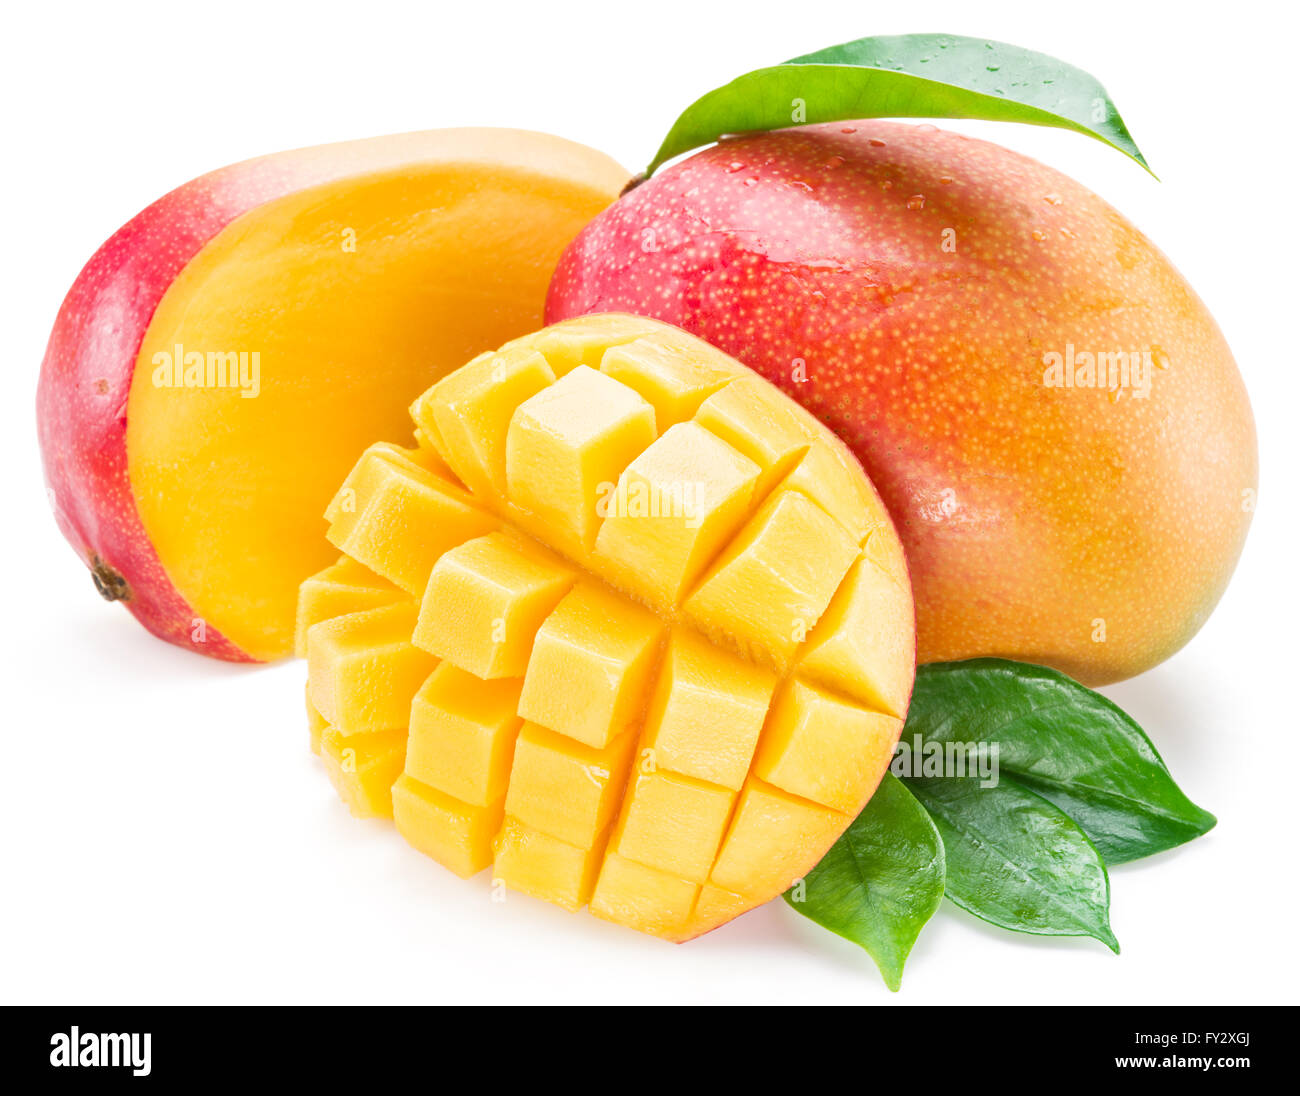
663 644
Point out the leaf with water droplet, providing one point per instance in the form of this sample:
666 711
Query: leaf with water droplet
906 76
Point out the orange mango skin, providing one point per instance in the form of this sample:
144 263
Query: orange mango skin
85 383
1062 526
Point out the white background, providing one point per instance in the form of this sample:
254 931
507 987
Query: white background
165 836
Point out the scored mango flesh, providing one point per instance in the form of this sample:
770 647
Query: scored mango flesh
627 625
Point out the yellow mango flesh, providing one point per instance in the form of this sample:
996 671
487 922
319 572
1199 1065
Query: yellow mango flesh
462 735
456 834
343 587
497 590
567 788
381 485
667 713
545 867
316 724
352 295
363 768
364 669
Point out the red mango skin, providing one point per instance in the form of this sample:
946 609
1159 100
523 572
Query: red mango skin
86 378
906 284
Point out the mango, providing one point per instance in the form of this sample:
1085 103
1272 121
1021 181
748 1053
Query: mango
220 362
663 645
1050 412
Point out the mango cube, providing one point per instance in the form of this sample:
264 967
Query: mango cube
341 588
867 616
755 419
457 835
674 507
585 340
362 768
674 823
773 582
707 711
664 700
364 669
642 898
415 461
467 414
486 599
673 375
567 446
773 839
822 748
543 866
831 476
462 735
398 518
592 664
564 788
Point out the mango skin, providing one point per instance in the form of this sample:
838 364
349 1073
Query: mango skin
904 284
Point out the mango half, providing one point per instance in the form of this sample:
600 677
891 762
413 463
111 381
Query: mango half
222 359
627 624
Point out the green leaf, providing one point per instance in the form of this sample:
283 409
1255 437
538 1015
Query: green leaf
1017 861
1065 742
881 881
909 76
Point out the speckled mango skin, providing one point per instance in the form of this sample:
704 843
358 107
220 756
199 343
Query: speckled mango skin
904 284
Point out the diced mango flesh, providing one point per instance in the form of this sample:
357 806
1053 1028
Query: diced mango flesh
664 638
566 788
543 866
673 508
485 601
341 588
462 734
674 823
831 476
707 711
868 613
383 499
643 898
771 585
715 906
755 419
363 767
315 724
675 375
585 340
825 749
467 414
364 669
773 839
456 834
592 665
567 446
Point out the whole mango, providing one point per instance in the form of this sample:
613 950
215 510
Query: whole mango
1048 410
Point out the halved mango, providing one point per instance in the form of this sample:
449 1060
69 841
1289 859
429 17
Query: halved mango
671 674
223 358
